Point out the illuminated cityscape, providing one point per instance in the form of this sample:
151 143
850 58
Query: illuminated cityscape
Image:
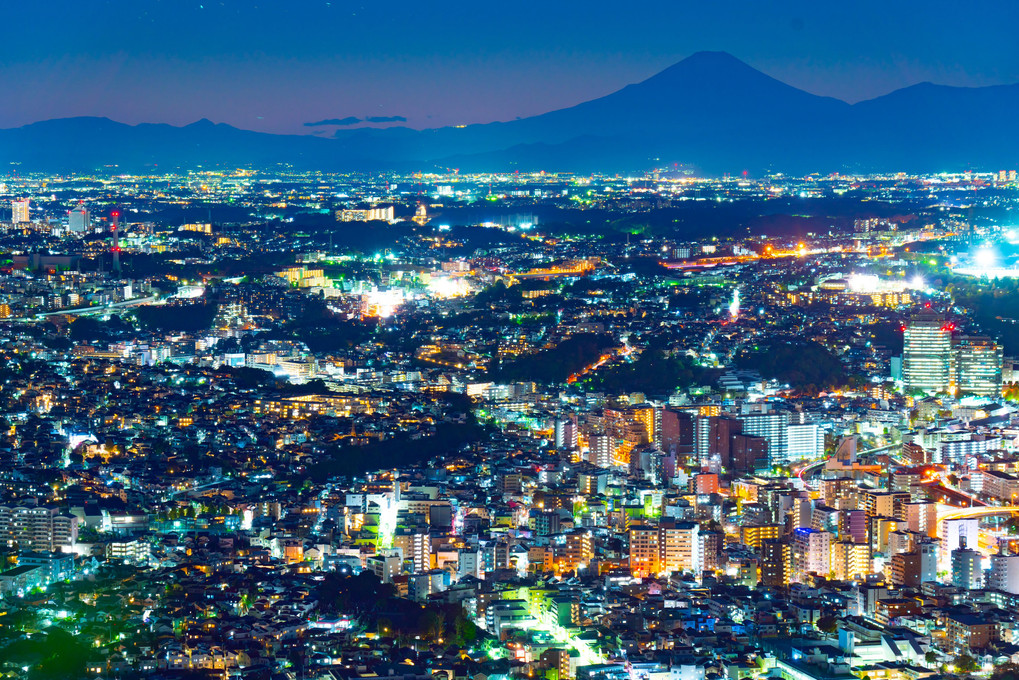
286 443
473 343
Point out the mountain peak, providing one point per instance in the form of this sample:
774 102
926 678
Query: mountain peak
709 69
714 63
713 57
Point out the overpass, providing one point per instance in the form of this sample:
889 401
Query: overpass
966 513
98 309
810 469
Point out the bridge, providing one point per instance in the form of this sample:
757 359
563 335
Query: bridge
810 469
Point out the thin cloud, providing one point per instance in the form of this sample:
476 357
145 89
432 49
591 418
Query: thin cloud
350 120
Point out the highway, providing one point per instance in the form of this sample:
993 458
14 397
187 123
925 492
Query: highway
90 311
988 539
810 469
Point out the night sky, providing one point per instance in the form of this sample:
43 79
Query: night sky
275 65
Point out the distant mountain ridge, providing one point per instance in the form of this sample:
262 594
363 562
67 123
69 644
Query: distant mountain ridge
709 111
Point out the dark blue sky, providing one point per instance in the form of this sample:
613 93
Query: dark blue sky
273 65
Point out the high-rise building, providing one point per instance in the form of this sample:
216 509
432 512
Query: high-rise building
878 503
414 547
850 561
927 358
672 547
78 220
852 525
573 550
804 441
645 552
747 454
1004 573
649 418
811 552
566 433
776 562
921 517
600 450
681 547
772 427
978 366
755 535
966 571
677 433
904 569
714 439
19 211
958 533
928 561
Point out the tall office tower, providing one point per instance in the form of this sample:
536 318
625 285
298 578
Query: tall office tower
19 211
78 220
966 571
978 366
927 357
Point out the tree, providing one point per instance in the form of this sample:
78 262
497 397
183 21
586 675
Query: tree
466 632
964 663
433 624
827 624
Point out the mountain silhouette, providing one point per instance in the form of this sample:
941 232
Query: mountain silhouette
710 111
